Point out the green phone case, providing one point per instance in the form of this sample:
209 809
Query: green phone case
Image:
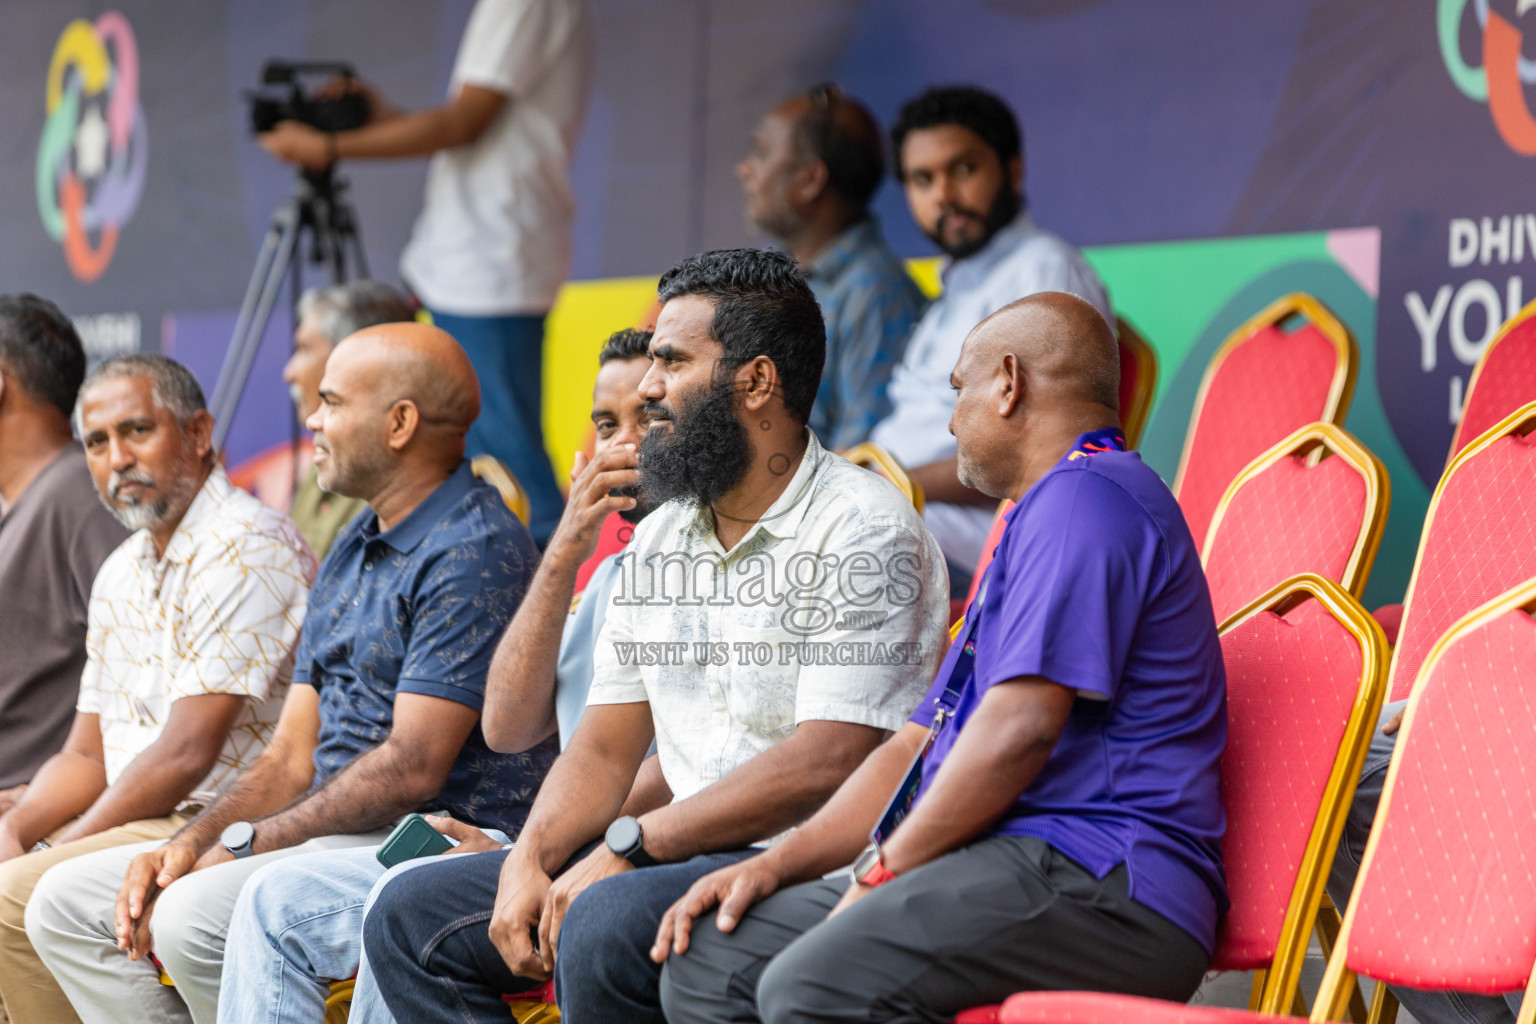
412 838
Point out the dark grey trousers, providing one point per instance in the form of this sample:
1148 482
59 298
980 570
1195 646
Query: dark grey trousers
1000 916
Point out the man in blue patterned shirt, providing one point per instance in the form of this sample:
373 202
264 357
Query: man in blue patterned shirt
383 715
814 166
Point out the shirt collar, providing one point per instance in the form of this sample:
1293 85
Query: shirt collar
840 252
410 531
782 519
216 490
1095 442
1014 234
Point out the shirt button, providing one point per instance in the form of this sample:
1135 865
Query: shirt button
356 601
368 566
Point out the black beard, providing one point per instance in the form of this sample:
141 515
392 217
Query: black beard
1005 206
643 506
702 457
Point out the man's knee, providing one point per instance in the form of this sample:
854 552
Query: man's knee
266 899
795 986
58 905
18 877
604 923
693 986
182 930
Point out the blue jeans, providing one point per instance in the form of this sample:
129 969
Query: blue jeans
508 356
430 951
1426 1007
298 928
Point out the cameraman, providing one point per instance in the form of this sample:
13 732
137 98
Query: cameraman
492 244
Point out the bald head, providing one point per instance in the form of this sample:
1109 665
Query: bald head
421 364
1063 344
395 403
1031 378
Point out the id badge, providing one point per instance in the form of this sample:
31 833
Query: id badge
901 801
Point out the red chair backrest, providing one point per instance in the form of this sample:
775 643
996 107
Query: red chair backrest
1503 380
1479 540
1293 682
1285 515
1446 897
1138 381
1262 384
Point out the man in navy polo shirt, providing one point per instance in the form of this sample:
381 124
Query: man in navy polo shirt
382 718
1067 821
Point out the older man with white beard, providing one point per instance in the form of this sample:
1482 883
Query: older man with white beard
192 624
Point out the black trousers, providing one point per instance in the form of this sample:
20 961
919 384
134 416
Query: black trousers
430 950
1000 916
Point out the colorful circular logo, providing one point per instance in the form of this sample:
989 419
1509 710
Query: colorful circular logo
94 149
1500 81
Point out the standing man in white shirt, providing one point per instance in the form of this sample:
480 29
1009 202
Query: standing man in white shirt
492 245
960 159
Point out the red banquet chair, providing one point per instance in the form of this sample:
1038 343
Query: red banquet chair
1263 383
1138 381
1315 502
1479 539
1446 898
1305 670
1503 380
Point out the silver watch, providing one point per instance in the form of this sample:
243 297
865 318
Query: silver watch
239 839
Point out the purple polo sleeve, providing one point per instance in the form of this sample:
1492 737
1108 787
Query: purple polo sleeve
1071 577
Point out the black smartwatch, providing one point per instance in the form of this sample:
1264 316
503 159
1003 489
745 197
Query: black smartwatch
625 839
239 839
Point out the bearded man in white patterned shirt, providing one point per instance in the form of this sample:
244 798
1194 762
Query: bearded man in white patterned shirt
778 615
192 624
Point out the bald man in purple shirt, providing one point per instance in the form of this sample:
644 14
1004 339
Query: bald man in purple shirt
1051 816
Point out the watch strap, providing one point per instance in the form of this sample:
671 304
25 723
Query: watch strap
876 875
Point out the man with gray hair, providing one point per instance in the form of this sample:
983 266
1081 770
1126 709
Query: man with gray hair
191 628
326 316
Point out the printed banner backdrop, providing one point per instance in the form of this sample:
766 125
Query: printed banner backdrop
1378 155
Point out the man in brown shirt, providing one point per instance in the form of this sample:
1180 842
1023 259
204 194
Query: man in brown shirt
54 535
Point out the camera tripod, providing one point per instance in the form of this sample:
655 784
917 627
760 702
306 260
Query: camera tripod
316 209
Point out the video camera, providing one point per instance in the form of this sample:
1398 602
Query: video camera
282 97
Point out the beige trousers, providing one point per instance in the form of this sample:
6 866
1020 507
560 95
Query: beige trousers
28 993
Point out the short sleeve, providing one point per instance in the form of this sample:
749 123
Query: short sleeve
508 45
873 662
242 618
1070 578
88 702
617 680
302 658
458 612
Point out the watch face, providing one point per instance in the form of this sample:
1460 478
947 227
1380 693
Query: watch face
624 836
238 836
